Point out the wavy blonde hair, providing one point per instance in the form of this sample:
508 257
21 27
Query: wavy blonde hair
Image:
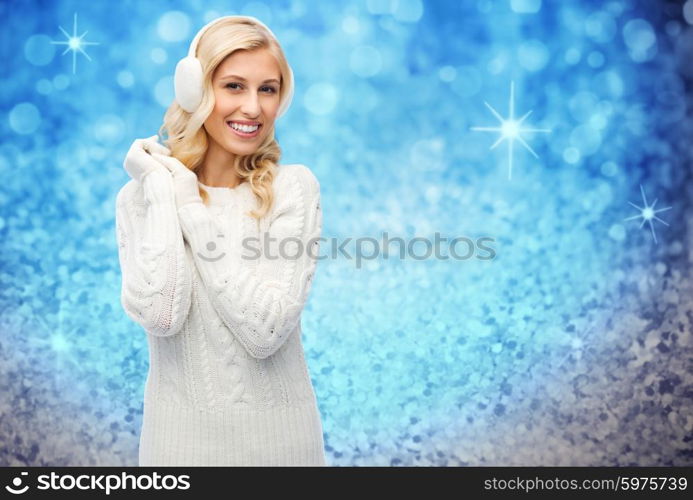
187 138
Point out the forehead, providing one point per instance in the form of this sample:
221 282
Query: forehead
258 64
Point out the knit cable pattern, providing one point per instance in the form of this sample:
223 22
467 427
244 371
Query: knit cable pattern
261 313
156 281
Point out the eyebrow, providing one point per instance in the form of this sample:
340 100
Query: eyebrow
244 80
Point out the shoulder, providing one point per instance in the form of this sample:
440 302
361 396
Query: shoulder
295 188
297 176
130 196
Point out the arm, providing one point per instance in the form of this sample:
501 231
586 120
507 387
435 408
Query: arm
156 280
261 313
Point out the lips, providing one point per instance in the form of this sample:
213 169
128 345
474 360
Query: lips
240 133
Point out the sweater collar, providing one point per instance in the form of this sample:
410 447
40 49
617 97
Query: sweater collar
224 195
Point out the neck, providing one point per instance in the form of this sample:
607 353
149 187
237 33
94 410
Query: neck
217 167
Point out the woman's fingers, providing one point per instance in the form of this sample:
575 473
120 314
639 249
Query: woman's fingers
173 164
138 162
162 159
154 147
184 180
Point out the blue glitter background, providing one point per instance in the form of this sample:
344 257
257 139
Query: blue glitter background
571 347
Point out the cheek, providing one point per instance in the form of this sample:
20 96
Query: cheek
224 104
212 121
270 111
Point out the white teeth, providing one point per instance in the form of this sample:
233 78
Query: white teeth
244 128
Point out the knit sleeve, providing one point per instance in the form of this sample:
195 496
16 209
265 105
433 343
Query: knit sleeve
156 280
261 307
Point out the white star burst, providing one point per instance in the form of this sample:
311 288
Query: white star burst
648 213
74 43
510 129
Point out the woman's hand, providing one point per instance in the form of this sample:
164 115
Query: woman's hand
184 180
139 162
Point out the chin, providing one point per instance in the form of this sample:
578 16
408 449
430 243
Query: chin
242 149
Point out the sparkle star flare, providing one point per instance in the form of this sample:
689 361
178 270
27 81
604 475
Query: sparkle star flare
510 129
648 213
74 43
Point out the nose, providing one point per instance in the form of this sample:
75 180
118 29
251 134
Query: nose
250 105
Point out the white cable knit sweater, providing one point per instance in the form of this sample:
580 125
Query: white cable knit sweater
228 383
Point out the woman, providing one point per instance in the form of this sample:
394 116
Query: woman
228 383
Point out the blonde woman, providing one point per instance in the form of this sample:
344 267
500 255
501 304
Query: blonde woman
217 248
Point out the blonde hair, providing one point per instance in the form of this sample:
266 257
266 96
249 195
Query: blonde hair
187 138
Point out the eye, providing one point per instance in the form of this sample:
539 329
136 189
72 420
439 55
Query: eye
266 88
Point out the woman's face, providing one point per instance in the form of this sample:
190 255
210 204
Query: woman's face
246 89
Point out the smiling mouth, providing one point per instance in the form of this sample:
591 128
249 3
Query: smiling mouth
244 130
